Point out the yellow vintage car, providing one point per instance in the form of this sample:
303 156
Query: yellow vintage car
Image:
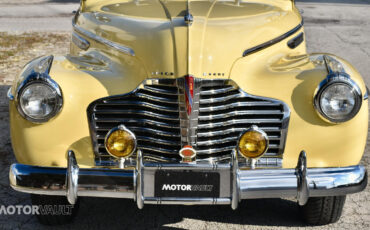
197 102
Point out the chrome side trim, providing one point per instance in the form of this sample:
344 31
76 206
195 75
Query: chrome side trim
273 41
80 42
10 95
121 48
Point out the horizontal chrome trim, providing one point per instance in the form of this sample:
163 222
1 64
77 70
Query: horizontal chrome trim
10 95
137 112
233 130
161 150
167 143
186 201
128 121
241 113
238 121
185 166
157 99
121 48
215 150
80 42
273 41
235 104
218 91
146 130
223 99
158 140
162 91
218 141
225 140
301 182
146 104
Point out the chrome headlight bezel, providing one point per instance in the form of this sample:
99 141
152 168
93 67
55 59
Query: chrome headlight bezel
38 73
335 79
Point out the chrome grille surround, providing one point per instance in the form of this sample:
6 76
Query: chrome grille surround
156 112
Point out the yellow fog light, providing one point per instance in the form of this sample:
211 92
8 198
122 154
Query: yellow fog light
120 142
253 143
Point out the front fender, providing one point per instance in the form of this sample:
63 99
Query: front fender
82 79
294 79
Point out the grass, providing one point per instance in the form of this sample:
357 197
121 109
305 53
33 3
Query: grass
18 49
14 44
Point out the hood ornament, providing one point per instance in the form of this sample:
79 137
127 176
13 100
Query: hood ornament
188 18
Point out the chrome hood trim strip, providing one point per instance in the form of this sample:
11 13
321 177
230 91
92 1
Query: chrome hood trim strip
121 48
273 41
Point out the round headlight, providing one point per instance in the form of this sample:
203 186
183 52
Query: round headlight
338 99
39 101
120 142
253 143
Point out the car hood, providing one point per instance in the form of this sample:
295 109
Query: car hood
157 34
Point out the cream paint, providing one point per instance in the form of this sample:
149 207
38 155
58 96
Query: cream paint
215 42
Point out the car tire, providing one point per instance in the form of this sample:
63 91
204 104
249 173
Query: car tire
54 203
323 210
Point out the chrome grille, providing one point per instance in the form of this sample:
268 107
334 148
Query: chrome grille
153 112
225 111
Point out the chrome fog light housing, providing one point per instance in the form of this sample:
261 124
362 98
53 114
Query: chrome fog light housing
338 98
120 142
253 143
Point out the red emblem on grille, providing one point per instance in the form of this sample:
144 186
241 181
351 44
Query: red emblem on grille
187 153
189 93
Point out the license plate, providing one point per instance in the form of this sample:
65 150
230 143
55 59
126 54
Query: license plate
187 184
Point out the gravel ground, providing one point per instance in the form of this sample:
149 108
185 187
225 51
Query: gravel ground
344 31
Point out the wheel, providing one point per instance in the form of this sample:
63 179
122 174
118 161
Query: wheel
323 210
54 210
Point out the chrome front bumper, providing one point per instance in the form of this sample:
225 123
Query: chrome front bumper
236 183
